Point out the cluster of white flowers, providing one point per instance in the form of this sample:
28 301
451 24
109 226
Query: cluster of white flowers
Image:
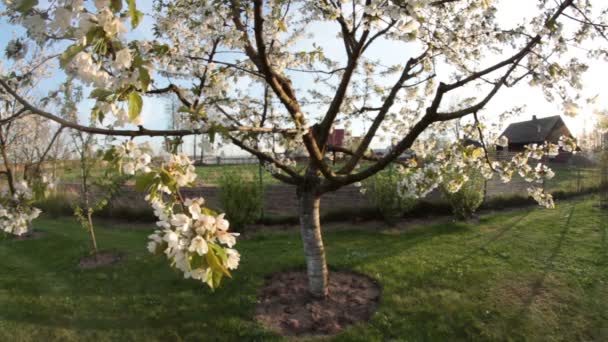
123 59
419 182
442 166
111 24
16 214
181 169
541 197
88 71
194 239
520 163
196 243
567 144
450 167
134 158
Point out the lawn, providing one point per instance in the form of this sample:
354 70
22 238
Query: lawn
523 275
567 178
207 175
573 179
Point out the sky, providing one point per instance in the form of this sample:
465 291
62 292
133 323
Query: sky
511 12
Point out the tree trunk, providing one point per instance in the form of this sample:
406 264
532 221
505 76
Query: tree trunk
310 227
92 232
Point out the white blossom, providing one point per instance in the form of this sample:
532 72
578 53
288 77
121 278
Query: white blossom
198 245
123 59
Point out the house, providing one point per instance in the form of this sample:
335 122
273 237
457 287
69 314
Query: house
535 131
336 137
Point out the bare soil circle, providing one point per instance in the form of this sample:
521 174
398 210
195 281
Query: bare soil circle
286 306
32 235
100 260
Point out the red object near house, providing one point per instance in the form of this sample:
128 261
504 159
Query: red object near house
336 137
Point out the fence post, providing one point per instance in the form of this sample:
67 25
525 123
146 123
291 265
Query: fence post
579 180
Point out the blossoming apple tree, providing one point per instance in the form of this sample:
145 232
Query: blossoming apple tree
26 142
254 72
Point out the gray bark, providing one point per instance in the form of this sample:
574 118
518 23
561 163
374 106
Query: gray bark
310 227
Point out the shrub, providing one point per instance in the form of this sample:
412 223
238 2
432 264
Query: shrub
241 198
57 204
469 198
127 213
382 190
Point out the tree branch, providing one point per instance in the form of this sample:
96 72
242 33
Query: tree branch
386 106
432 116
134 133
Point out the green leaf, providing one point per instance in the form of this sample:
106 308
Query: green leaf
144 78
220 252
100 94
26 5
216 279
161 49
160 248
109 155
209 212
145 181
135 105
184 109
98 115
94 34
216 264
214 129
136 16
211 134
138 61
116 5
69 54
197 261
282 26
165 177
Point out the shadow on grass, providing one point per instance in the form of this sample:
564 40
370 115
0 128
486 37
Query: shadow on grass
362 252
538 285
507 228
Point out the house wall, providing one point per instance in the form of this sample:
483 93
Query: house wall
559 130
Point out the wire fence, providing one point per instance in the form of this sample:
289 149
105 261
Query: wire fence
574 173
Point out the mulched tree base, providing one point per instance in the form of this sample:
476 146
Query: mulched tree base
100 260
33 235
286 306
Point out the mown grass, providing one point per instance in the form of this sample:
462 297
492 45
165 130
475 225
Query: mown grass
567 178
538 275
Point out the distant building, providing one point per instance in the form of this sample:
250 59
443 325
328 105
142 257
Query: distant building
535 131
336 137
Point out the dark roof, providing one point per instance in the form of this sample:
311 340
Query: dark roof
535 130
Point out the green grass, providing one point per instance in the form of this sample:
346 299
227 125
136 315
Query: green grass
567 178
572 179
207 175
537 275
